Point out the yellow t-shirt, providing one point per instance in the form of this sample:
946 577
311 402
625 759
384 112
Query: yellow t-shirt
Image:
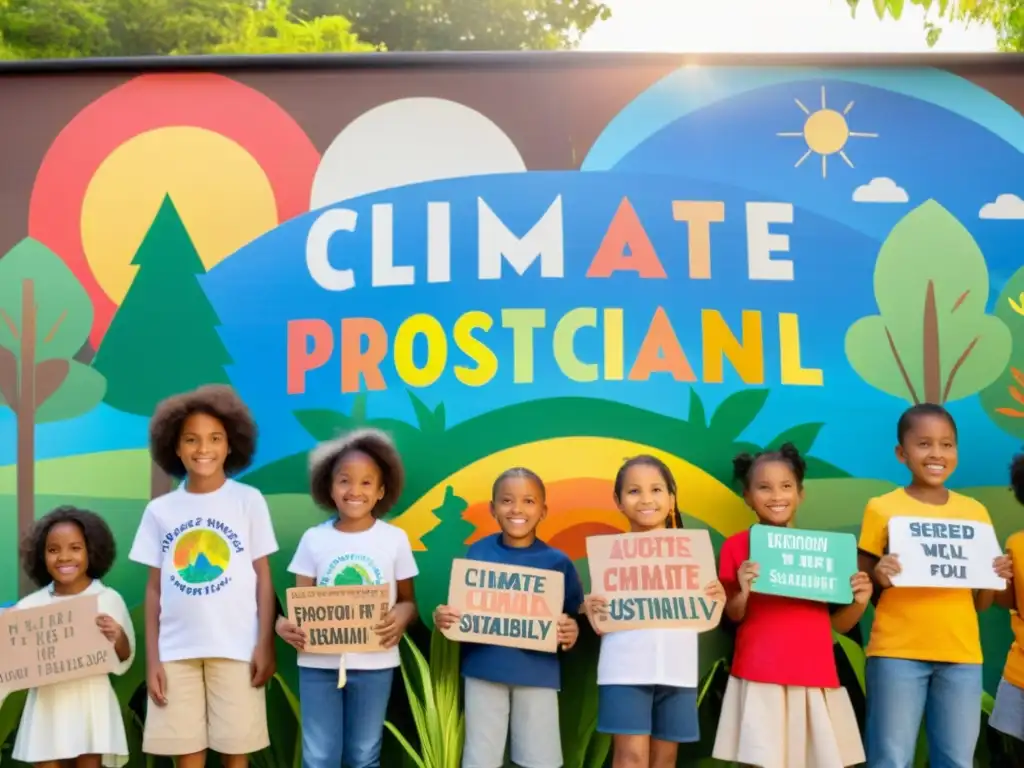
1014 670
922 623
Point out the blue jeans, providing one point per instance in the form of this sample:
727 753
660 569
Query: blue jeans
343 726
901 691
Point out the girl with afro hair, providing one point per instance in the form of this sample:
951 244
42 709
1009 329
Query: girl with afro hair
357 478
210 605
67 553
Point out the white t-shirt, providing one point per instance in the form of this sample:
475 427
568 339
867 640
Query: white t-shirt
379 555
649 657
205 545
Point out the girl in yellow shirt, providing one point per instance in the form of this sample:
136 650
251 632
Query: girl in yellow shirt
924 656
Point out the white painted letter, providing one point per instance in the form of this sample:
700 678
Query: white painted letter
544 241
439 243
385 273
761 242
317 261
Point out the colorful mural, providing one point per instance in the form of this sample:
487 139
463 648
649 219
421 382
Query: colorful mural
556 266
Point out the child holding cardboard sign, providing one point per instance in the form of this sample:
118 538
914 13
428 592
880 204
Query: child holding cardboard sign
66 553
924 655
210 603
783 707
515 684
647 678
358 477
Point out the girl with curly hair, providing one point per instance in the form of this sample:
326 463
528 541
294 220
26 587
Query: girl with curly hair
358 478
210 603
67 553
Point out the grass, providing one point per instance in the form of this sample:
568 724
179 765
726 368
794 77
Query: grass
105 475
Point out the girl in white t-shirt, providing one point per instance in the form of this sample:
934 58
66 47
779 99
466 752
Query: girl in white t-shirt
344 700
647 678
67 552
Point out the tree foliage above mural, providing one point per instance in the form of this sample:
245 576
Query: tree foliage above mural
1006 16
45 316
932 340
33 29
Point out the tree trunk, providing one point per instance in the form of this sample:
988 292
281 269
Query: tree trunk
931 362
26 450
159 481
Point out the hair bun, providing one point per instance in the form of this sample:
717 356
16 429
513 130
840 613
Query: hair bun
1017 477
741 465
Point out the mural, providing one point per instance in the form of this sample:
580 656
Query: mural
555 267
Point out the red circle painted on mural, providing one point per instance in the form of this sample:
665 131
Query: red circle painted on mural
200 100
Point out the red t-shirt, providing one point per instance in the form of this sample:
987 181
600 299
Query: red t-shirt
781 640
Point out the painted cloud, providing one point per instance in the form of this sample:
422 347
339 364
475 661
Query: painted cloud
1003 207
880 190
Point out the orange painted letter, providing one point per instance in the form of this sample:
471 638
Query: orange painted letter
354 361
624 232
300 357
661 352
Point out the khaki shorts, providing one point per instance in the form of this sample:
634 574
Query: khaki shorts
211 704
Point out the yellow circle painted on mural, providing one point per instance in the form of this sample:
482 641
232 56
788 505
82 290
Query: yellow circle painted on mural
826 131
700 495
223 196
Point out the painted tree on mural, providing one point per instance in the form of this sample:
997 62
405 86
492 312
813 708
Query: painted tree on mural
45 317
1003 400
163 339
931 341
444 543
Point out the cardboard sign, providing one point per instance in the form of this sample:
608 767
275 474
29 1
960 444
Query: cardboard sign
52 644
506 605
655 579
339 620
944 553
809 565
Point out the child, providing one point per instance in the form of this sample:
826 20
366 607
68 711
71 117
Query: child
783 707
924 655
1008 713
647 678
511 684
209 599
66 553
345 699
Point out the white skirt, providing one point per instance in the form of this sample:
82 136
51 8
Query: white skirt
77 717
787 726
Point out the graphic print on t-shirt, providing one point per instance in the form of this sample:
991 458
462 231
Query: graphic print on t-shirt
351 570
201 552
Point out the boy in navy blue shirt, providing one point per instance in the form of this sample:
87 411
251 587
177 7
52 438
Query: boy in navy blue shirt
513 684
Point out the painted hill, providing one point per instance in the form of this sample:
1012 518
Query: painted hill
106 475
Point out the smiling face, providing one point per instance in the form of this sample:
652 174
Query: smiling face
929 450
358 486
645 497
519 506
203 446
67 558
774 493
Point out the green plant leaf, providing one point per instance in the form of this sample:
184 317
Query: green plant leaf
80 392
855 655
10 715
323 424
802 436
697 416
736 413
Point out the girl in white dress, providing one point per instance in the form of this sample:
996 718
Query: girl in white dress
67 553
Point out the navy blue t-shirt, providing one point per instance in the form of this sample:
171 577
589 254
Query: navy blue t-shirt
515 666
